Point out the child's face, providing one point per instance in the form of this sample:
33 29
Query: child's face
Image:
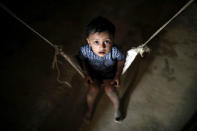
100 42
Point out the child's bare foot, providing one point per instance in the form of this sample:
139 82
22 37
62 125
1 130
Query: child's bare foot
118 117
88 117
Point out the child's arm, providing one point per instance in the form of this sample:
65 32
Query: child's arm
120 65
83 57
116 80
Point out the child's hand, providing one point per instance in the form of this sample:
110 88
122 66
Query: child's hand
88 80
116 81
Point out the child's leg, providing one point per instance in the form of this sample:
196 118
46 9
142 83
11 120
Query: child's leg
91 98
112 93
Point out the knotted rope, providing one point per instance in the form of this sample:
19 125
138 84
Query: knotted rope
131 54
58 50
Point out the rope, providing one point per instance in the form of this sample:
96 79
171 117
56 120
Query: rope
139 50
55 65
132 53
161 28
21 21
58 50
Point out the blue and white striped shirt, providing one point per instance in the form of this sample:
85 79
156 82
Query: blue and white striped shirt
102 66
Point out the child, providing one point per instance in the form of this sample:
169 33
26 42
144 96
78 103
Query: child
102 64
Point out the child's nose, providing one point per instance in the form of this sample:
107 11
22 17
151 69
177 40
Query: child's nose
103 45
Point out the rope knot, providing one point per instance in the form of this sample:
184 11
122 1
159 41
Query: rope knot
58 50
141 49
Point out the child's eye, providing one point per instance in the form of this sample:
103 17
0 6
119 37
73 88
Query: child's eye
96 42
107 42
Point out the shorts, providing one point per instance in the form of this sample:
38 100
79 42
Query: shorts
100 76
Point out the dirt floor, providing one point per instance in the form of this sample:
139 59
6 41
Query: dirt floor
158 93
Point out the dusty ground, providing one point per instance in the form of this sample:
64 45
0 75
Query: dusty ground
161 87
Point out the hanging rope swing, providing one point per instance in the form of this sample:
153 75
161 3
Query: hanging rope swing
131 54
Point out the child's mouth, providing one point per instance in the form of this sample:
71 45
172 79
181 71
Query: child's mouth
102 52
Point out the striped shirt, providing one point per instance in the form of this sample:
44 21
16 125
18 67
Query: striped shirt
101 66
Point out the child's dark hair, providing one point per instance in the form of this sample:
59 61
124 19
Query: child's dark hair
100 24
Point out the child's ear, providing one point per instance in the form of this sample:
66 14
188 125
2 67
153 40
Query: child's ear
88 40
